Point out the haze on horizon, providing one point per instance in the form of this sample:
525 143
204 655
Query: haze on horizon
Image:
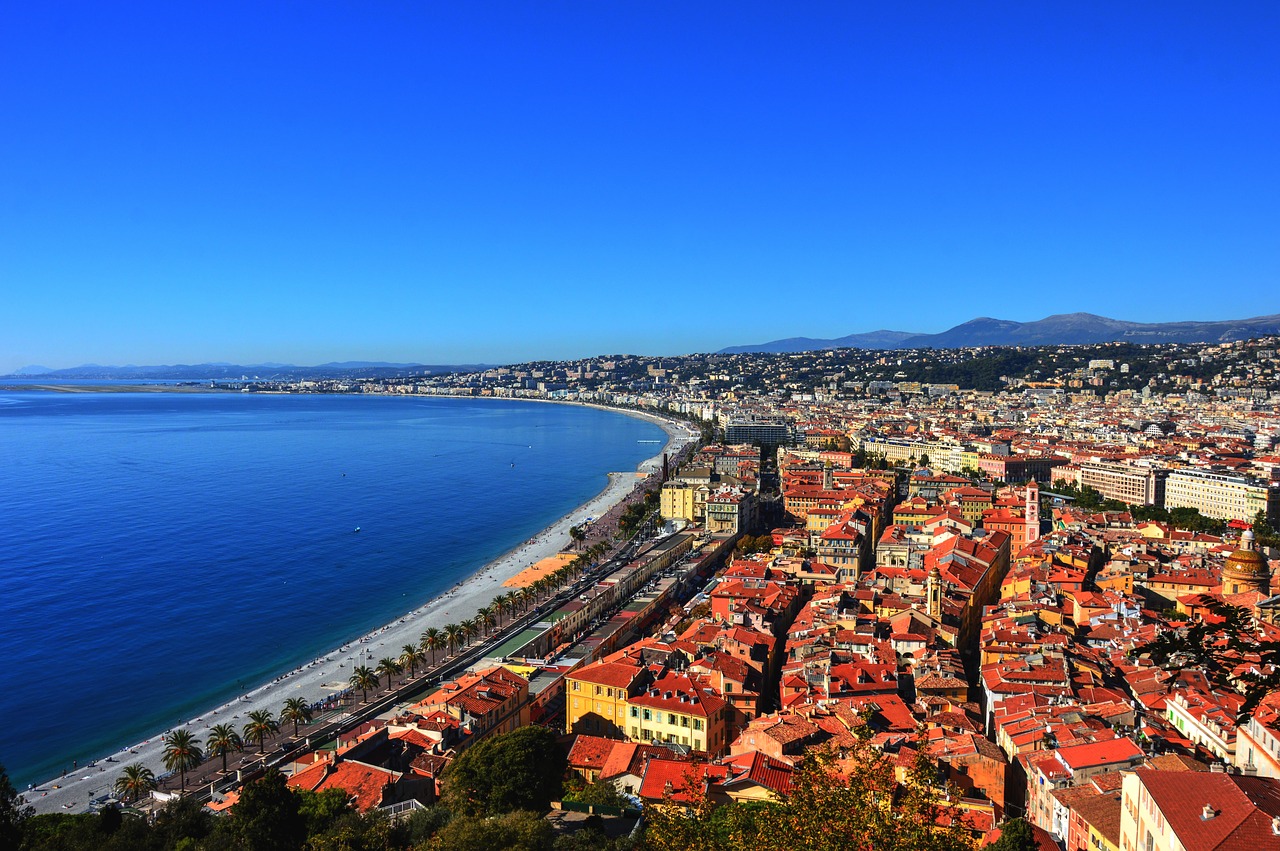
502 182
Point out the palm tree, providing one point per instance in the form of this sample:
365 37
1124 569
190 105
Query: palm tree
136 781
296 710
411 658
525 596
507 603
364 679
390 667
223 739
261 724
452 636
577 535
483 618
469 629
433 640
181 751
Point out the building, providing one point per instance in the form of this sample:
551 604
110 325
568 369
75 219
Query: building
1223 496
770 432
1126 483
1198 811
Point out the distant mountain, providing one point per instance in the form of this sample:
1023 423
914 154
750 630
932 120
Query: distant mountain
1060 329
262 371
869 340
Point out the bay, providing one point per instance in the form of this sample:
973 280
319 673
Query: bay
164 552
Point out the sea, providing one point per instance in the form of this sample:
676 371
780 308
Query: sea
163 552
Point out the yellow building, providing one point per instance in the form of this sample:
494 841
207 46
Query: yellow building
677 501
595 696
676 710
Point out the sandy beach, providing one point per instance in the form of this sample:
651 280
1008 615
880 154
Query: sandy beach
330 673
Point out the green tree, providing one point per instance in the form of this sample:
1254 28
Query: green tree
522 769
1015 835
431 641
181 753
390 667
364 678
516 831
182 821
861 807
577 535
223 739
297 711
135 781
12 813
268 816
261 725
411 658
453 636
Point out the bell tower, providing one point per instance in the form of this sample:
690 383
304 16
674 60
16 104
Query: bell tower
1032 513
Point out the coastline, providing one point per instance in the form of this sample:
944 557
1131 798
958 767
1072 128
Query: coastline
328 673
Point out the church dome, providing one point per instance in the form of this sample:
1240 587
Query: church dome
1247 561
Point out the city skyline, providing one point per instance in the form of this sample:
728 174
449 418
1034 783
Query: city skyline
506 184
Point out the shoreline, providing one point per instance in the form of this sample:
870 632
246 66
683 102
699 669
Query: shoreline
327 674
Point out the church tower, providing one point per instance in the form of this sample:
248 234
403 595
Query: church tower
1032 513
933 591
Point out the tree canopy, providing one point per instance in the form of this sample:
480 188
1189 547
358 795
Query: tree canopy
520 770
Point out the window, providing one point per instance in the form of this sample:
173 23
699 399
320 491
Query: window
697 744
671 718
575 686
646 715
635 713
633 732
609 692
599 690
684 722
697 723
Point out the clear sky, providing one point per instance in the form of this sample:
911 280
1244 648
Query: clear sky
481 181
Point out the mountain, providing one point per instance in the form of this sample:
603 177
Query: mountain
869 340
231 371
1060 329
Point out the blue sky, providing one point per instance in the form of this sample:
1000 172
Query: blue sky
450 182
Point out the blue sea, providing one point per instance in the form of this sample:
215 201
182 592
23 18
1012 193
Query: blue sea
163 552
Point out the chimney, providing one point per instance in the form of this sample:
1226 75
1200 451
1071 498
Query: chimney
1207 813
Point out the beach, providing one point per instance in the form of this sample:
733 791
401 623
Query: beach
329 673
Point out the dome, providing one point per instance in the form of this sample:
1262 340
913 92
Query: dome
1247 560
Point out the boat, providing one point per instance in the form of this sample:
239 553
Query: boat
357 529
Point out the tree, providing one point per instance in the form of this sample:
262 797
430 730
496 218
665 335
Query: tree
411 658
516 831
135 781
261 725
488 617
223 739
858 804
12 813
1015 835
181 752
453 635
296 710
268 816
470 629
431 641
578 536
517 770
1219 646
390 667
364 678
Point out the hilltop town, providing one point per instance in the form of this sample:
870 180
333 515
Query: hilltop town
1046 574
